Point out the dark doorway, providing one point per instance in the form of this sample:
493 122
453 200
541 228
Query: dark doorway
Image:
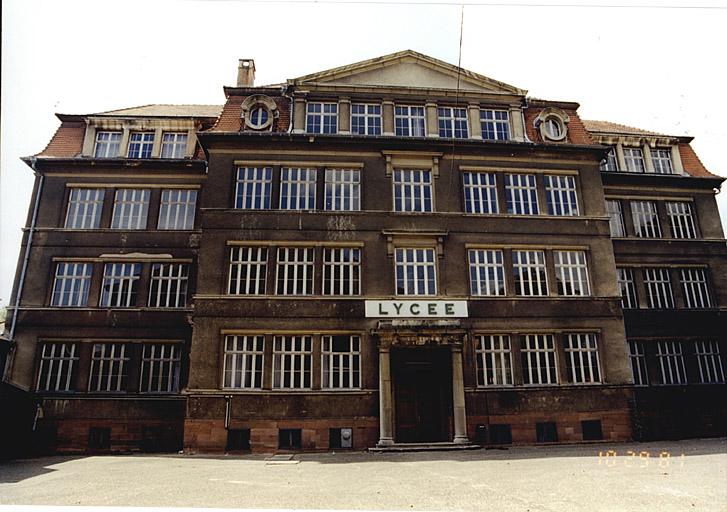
422 382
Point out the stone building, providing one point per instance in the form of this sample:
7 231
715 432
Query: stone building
394 251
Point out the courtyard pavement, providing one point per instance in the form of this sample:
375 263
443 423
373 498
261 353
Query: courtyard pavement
664 476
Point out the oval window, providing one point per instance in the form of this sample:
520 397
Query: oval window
259 117
553 128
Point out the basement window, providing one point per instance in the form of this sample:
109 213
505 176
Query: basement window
99 438
546 432
238 439
592 430
289 438
500 434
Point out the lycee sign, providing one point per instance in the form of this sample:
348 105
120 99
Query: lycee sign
416 309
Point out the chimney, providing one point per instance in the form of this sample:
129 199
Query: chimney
246 73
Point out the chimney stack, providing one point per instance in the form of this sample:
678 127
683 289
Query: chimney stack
246 73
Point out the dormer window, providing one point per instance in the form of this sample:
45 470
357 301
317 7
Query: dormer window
141 144
610 163
321 117
553 128
258 112
553 124
258 117
495 124
634 159
174 145
452 122
365 119
661 159
107 144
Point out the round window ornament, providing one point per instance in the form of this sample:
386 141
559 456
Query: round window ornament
553 124
258 112
258 117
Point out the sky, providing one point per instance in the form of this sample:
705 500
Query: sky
658 65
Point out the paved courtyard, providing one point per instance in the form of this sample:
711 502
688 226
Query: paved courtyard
685 475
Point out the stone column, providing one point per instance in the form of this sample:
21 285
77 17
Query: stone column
473 113
299 115
460 416
517 130
386 431
620 156
387 111
676 160
648 163
344 116
432 120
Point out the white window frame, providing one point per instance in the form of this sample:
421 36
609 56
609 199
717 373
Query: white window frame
293 362
327 117
368 122
671 363
342 271
339 366
253 188
696 288
109 368
297 188
414 190
661 161
342 190
487 272
85 206
637 360
657 282
627 288
244 362
610 163
539 360
168 285
131 208
480 192
410 123
176 209
421 261
452 122
57 359
571 272
295 271
521 194
561 195
646 219
174 144
71 284
142 148
494 360
108 144
709 362
681 219
495 122
120 282
615 218
634 160
159 368
248 270
531 273
582 361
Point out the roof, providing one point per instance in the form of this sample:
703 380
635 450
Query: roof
608 127
165 110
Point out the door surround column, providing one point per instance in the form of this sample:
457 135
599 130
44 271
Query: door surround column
386 417
458 403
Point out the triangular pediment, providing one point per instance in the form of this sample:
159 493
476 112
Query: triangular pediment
408 69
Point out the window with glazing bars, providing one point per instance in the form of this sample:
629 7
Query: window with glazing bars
168 285
292 358
109 367
615 218
321 118
341 362
365 119
131 207
140 144
244 355
637 358
709 362
634 159
521 194
695 287
57 361
487 272
341 271
409 121
120 285
343 189
159 368
671 362
84 208
70 287
495 124
581 356
295 271
174 145
415 272
681 220
253 188
107 144
571 273
494 360
176 209
538 359
610 163
627 287
530 273
646 219
480 192
661 160
658 288
248 270
561 194
452 122
412 190
297 188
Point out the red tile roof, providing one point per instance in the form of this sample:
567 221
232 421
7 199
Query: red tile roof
67 142
691 162
577 133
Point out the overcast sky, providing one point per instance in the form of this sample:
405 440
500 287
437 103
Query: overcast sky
658 66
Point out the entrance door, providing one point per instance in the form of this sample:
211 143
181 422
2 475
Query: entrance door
422 379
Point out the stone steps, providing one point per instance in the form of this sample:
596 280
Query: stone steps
425 447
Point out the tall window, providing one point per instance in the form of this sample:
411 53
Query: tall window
615 218
295 271
415 272
646 220
341 271
495 124
70 288
131 207
494 360
709 362
292 358
84 208
365 119
176 210
530 273
627 287
637 358
521 194
321 118
453 122
109 367
343 190
297 188
159 368
168 285
671 362
661 159
681 220
174 145
57 361
141 144
412 190
658 288
341 362
480 192
695 287
487 272
244 362
253 188
107 144
561 194
120 285
409 121
581 353
610 163
634 159
248 270
571 273
538 358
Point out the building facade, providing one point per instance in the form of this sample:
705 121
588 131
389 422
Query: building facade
394 251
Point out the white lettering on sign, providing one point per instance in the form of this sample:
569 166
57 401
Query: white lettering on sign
416 309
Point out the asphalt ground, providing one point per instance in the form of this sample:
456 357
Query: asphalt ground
664 476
